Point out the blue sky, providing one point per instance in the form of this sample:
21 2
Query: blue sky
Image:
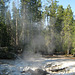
65 3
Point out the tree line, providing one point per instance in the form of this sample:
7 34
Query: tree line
27 27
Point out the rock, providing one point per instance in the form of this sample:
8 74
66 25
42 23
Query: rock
36 72
23 71
60 69
41 72
48 65
55 67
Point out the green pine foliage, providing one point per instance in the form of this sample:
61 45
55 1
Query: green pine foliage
67 23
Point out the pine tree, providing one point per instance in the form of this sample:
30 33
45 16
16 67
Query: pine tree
73 38
66 31
58 28
59 19
8 25
51 12
16 24
3 31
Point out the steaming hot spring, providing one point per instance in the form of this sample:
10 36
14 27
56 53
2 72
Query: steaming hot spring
38 65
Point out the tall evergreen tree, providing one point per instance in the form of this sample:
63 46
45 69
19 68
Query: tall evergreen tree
16 24
3 31
59 19
66 31
51 12
73 38
8 25
30 14
58 27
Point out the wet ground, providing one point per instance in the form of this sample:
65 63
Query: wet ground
32 66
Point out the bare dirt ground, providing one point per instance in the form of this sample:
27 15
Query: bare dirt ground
59 56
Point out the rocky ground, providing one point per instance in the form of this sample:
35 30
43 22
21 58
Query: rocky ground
55 65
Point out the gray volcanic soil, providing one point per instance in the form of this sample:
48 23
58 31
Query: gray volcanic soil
38 66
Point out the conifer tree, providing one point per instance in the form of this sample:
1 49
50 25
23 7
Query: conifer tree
66 31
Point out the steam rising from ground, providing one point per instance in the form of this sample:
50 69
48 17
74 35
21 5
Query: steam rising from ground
33 35
31 56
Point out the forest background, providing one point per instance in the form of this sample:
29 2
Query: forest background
33 27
